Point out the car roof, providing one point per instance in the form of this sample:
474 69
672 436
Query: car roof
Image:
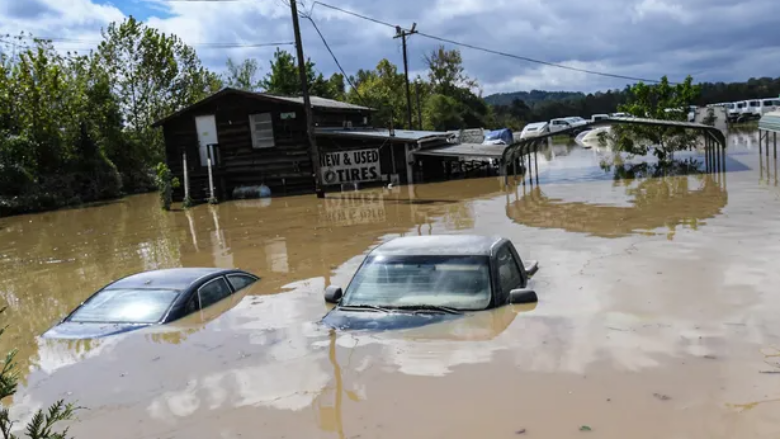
439 245
171 278
535 124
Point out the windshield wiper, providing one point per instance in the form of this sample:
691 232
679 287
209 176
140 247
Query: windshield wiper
445 309
366 306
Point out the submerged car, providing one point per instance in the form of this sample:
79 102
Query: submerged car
150 298
413 281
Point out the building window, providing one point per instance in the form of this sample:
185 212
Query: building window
262 128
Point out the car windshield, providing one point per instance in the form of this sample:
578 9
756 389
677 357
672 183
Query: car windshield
460 282
126 306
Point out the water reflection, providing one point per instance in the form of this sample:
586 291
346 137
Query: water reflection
654 202
259 362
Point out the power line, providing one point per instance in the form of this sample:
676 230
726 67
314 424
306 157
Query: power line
335 59
487 50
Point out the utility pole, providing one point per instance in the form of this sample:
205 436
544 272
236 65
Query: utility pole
419 108
314 151
402 34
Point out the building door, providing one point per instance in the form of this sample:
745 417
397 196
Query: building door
207 135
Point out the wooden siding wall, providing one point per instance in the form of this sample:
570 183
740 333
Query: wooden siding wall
286 168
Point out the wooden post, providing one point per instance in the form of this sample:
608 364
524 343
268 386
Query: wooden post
403 34
775 135
706 154
310 133
186 177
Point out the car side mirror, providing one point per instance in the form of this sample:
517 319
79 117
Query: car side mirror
523 295
333 294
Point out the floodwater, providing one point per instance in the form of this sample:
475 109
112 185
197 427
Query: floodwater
657 314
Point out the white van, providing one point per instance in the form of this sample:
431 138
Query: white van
768 105
535 129
559 125
742 109
754 109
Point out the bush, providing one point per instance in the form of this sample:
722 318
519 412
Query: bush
166 182
43 423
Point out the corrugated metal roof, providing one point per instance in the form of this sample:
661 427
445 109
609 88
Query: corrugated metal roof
770 122
398 135
318 102
465 150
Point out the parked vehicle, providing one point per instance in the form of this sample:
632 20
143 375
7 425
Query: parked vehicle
742 110
597 117
769 105
732 112
559 125
753 109
614 115
150 298
535 129
415 281
576 121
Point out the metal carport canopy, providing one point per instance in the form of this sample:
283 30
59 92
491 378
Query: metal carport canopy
460 150
516 149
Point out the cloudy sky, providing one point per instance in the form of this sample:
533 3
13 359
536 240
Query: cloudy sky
713 40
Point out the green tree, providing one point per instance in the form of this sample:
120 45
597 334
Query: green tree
152 75
243 75
658 101
442 113
283 78
448 78
384 90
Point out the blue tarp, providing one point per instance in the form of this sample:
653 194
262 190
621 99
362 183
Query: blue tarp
504 134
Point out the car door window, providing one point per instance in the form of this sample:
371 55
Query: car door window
213 291
509 276
239 281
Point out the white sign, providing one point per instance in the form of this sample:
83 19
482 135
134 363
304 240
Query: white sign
350 166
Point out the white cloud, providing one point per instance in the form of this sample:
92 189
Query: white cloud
638 38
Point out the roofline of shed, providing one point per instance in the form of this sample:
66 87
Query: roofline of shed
357 135
229 90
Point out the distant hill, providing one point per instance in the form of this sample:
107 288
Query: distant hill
532 97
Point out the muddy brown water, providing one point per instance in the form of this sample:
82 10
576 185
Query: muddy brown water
657 314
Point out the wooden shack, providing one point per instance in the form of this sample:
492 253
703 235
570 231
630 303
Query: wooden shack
252 138
258 139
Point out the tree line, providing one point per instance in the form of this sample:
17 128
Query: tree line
76 128
550 105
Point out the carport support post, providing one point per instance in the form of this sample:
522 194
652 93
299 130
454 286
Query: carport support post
766 139
707 153
775 135
530 174
716 150
536 162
